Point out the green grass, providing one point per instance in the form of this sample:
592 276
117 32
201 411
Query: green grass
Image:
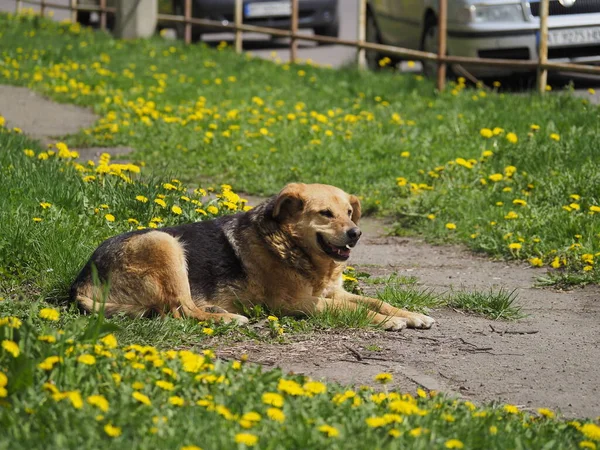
53 215
210 115
492 304
65 383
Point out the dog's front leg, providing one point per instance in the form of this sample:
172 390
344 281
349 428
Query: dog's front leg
310 305
413 320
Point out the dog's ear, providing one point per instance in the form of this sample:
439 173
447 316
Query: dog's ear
355 203
289 201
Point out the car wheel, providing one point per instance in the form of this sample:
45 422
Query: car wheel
331 30
373 57
83 17
179 10
429 43
372 35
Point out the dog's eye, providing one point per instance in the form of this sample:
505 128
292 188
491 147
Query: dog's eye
349 213
326 213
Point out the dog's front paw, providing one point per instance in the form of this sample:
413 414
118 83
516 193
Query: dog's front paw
416 320
392 323
239 320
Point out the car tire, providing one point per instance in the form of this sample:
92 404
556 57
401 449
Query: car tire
83 17
429 43
372 35
178 10
331 30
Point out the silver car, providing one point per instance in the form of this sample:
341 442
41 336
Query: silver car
487 29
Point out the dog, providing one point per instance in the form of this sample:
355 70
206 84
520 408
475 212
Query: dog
287 254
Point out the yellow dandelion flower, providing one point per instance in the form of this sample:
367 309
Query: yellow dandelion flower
486 133
511 409
512 138
141 198
273 399
546 413
11 347
276 414
176 400
112 431
166 385
383 378
109 218
555 137
536 262
212 209
315 387
141 398
454 443
247 439
591 431
587 444
329 430
451 226
99 401
49 314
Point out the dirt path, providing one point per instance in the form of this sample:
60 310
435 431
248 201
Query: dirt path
550 359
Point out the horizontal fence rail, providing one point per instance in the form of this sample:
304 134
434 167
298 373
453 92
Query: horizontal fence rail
541 65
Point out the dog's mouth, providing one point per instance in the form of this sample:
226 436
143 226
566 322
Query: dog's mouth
334 251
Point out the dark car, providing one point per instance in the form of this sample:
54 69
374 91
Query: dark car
320 15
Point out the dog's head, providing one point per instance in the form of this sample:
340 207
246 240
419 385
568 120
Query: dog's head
322 218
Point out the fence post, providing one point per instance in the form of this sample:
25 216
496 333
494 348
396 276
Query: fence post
238 22
361 34
294 29
135 18
187 14
103 14
73 10
542 73
42 8
18 6
442 31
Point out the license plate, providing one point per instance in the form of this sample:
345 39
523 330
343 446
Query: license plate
573 36
268 9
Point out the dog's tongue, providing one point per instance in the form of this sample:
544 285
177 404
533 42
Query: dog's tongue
342 251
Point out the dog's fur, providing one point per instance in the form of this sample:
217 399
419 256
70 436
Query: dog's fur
287 254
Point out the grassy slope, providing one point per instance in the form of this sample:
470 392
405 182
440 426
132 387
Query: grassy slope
211 115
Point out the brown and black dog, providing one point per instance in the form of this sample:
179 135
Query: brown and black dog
287 254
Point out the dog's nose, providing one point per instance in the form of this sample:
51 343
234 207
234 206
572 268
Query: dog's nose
354 233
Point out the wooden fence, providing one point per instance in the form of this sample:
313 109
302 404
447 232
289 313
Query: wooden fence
542 65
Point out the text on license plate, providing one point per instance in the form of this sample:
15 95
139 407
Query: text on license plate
268 9
573 36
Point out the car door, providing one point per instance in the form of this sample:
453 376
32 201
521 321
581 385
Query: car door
384 19
411 14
